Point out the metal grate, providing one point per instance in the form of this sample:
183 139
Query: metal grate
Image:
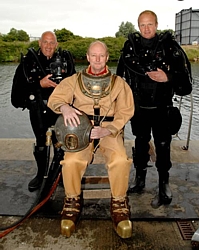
186 229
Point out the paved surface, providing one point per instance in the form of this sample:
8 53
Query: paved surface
42 232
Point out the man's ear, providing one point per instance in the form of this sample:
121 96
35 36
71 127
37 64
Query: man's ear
87 58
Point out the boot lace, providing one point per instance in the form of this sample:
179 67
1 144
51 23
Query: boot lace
71 206
120 206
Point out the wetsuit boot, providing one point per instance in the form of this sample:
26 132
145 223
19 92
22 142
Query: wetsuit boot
40 154
139 182
164 196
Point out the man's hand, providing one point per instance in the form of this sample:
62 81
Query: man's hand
70 115
99 132
47 83
158 76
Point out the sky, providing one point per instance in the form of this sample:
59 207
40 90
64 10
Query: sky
86 18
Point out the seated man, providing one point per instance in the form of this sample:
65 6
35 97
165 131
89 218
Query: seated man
108 101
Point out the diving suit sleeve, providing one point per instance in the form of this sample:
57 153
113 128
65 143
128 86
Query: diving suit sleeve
120 67
182 77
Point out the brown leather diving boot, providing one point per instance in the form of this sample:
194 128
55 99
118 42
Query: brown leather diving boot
70 215
120 214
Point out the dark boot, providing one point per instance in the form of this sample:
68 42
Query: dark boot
120 214
40 154
139 182
70 215
164 196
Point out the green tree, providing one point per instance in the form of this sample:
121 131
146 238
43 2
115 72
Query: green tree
78 47
162 31
16 35
34 44
125 29
22 36
64 35
114 46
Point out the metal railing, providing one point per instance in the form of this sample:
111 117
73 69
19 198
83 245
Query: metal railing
190 121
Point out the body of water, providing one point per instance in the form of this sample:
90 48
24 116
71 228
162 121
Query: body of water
15 122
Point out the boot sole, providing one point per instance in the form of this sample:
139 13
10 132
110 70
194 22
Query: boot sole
136 190
157 202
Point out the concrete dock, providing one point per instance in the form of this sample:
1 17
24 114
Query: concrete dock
168 227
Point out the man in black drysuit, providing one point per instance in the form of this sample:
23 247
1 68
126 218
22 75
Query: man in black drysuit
156 68
35 78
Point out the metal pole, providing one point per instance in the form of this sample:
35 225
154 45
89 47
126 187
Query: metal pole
190 122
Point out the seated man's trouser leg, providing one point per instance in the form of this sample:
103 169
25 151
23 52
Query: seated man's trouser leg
118 165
